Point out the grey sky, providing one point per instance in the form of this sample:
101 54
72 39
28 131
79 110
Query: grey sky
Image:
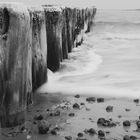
103 4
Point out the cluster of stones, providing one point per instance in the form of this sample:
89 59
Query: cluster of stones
33 39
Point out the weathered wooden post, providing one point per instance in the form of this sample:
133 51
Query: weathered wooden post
15 63
89 16
80 26
64 34
69 19
54 36
39 46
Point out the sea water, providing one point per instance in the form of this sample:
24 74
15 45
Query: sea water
108 61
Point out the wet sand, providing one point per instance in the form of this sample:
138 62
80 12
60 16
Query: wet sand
80 119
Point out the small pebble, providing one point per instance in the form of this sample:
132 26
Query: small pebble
126 137
100 100
136 100
71 114
91 131
126 123
80 134
53 132
68 137
109 108
133 137
43 127
77 96
82 103
138 124
39 117
76 106
127 110
101 133
91 99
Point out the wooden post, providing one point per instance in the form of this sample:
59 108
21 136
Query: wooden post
15 63
39 46
54 36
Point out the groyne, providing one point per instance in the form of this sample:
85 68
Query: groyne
33 39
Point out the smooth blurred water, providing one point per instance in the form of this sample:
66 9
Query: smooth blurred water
108 61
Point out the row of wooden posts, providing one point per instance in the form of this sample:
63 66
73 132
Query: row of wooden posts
33 39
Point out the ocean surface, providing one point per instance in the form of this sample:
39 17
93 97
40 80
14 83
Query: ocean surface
108 61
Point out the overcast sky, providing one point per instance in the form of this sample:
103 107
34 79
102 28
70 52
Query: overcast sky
102 4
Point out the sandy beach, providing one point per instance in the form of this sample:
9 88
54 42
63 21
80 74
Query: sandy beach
73 117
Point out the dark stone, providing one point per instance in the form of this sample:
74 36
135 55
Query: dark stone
119 116
80 134
43 127
102 138
34 122
101 133
133 138
76 106
38 117
136 100
81 139
127 110
100 100
126 123
101 121
82 103
109 108
91 99
106 123
126 137
68 137
22 128
57 113
77 96
138 124
71 114
53 132
91 131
